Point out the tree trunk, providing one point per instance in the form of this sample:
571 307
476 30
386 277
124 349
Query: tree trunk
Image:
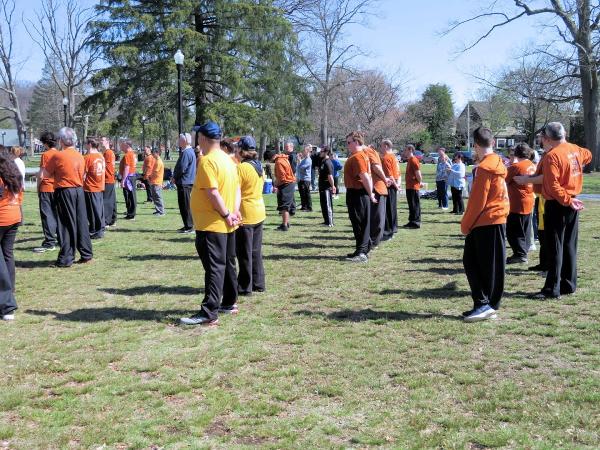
325 118
590 92
262 146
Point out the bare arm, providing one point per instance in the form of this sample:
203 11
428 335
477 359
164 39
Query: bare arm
419 176
331 183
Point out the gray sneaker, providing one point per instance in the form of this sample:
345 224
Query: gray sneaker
199 319
360 258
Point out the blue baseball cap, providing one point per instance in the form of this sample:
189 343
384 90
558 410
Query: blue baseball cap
247 143
210 129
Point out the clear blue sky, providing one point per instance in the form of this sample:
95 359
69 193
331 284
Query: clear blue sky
403 33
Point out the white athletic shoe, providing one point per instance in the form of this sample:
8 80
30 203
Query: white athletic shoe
8 317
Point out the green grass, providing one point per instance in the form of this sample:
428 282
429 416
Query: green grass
333 355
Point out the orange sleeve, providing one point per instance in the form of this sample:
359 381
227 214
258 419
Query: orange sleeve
586 156
477 201
553 184
510 173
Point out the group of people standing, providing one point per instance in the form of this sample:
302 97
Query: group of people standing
559 179
77 203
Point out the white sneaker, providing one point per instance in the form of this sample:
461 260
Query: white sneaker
8 317
532 248
444 209
484 312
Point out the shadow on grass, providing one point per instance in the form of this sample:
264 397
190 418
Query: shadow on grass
22 241
33 264
302 257
445 246
162 257
106 314
302 245
186 238
439 270
154 289
436 261
138 230
349 315
448 290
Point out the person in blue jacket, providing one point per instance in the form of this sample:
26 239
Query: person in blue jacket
183 177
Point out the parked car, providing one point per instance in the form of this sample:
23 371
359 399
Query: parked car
431 158
467 157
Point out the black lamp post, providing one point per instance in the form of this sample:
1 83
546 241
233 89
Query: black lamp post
65 103
179 62
144 118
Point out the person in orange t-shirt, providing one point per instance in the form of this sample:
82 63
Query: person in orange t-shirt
147 167
391 169
285 187
377 221
521 204
128 178
562 180
484 224
46 196
109 195
93 187
359 195
67 168
11 198
413 182
155 180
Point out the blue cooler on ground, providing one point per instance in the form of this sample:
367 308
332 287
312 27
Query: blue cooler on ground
268 186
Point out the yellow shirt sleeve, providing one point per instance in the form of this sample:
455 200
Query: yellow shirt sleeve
207 175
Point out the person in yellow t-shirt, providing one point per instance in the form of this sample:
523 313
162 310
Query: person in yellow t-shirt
248 237
215 206
155 180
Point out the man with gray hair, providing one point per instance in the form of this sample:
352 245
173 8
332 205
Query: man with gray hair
66 168
561 171
184 175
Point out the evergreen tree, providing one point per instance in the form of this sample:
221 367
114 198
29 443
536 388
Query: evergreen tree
436 111
46 109
237 65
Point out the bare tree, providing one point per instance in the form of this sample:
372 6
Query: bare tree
9 85
531 94
321 25
575 25
64 34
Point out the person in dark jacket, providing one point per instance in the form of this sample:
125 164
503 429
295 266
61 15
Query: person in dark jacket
183 177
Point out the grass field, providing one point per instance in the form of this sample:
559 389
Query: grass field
333 355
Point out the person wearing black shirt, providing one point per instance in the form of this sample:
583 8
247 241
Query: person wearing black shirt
326 186
316 162
289 150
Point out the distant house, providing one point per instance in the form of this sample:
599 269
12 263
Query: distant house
502 123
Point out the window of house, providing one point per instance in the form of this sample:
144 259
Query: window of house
501 143
511 142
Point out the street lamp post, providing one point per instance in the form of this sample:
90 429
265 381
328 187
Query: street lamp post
65 103
144 118
3 134
179 62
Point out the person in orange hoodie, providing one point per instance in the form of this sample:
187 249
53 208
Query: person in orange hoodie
155 181
147 167
285 186
484 225
562 180
11 198
109 194
67 167
359 195
391 169
380 180
46 198
521 204
93 188
413 179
